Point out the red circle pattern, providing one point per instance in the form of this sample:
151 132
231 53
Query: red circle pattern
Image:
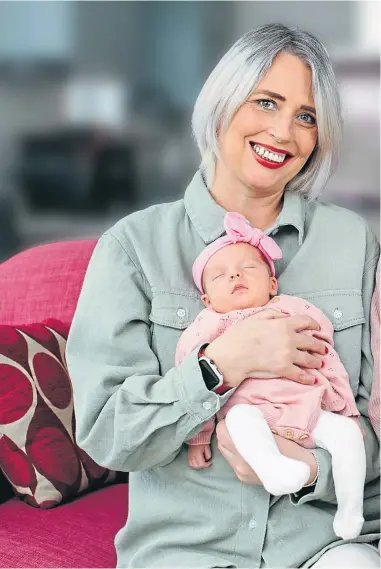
16 394
53 380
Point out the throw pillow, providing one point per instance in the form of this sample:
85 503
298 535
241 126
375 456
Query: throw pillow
38 452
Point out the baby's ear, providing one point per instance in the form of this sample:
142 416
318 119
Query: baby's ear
273 286
205 300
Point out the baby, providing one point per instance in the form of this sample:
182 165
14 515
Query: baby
235 275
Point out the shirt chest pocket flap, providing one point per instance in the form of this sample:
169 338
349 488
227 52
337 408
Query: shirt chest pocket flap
343 308
176 309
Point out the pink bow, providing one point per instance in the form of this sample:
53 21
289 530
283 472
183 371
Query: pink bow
238 230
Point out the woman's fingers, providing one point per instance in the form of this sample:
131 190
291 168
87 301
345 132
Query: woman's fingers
311 344
301 322
307 360
295 373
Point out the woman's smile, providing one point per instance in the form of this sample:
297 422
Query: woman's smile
268 156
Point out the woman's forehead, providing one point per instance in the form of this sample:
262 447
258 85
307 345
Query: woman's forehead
290 77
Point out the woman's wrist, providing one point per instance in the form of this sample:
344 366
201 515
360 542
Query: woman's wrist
214 354
315 471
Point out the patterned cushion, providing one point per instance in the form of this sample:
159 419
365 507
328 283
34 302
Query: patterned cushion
38 453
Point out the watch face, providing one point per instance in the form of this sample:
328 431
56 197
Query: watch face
210 378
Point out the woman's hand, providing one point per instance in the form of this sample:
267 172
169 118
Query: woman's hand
268 344
244 472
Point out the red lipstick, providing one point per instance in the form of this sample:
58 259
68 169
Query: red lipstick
267 163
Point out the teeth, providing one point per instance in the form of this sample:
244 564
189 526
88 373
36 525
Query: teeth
274 157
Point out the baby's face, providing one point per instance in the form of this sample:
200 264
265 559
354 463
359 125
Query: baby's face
237 277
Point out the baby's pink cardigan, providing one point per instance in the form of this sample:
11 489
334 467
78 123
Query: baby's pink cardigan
289 407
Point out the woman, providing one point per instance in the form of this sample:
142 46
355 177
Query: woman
267 123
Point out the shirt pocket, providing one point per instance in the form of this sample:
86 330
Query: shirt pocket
171 313
345 310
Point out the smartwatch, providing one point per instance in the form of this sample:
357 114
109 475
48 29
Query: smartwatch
211 375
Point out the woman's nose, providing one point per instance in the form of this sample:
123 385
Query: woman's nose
281 129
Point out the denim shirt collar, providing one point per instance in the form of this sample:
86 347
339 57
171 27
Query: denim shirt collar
207 216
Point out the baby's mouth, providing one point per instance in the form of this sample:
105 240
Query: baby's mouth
239 287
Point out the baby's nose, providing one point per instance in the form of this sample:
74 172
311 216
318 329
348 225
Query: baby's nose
235 274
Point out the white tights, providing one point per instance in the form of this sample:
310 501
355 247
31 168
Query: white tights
339 435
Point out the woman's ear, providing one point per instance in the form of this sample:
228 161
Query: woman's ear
273 286
205 300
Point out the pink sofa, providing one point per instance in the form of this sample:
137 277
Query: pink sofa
40 283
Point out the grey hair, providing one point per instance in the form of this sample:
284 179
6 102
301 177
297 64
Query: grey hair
238 73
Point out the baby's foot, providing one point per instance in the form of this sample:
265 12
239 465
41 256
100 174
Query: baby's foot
347 525
285 475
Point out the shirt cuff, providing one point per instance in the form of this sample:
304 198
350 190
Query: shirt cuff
198 401
324 488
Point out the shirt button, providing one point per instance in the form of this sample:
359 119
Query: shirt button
181 313
337 313
252 524
207 405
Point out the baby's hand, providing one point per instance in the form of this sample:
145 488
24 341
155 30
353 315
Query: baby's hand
199 456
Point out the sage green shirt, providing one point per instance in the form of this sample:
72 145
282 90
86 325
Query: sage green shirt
134 410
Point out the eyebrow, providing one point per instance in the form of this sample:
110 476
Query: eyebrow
281 98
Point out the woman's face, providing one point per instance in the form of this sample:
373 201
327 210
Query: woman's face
274 132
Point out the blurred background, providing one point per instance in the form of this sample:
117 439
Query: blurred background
96 100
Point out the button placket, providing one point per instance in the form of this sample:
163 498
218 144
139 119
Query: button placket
252 524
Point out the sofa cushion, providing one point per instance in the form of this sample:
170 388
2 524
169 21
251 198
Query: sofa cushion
43 282
38 453
77 534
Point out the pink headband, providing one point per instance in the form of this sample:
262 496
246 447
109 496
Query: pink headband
238 230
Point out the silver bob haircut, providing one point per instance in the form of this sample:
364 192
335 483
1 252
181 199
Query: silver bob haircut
236 76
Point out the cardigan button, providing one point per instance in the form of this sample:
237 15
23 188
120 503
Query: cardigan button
289 434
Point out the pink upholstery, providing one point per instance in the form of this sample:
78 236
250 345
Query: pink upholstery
43 282
40 283
78 534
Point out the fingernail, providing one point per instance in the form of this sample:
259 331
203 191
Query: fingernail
307 378
326 349
322 364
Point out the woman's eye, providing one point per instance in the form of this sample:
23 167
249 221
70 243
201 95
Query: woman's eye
266 104
308 119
